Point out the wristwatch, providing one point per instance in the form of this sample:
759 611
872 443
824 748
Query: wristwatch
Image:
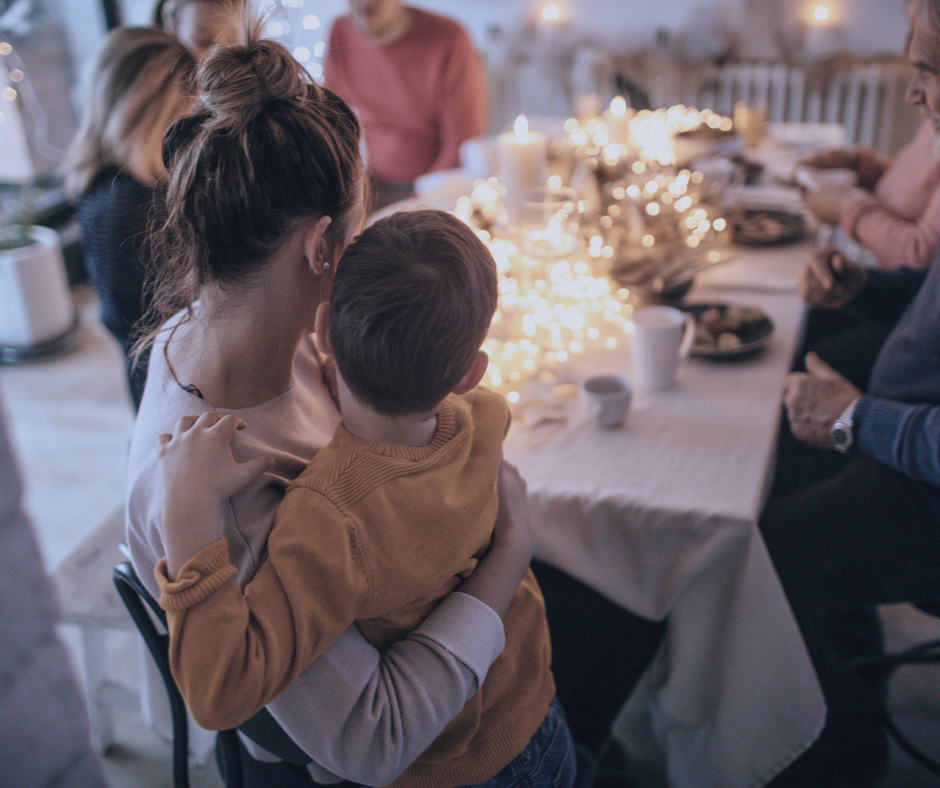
841 430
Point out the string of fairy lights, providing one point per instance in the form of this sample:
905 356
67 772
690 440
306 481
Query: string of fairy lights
552 309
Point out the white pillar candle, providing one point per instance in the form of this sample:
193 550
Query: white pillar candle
547 24
617 119
522 156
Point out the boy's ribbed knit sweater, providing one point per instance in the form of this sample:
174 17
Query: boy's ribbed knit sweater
376 534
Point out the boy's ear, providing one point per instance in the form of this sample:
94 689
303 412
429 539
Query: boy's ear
474 374
316 245
321 327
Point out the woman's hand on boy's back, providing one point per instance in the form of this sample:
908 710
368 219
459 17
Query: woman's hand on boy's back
197 475
513 530
496 578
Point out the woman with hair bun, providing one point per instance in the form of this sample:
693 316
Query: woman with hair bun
141 84
200 24
265 190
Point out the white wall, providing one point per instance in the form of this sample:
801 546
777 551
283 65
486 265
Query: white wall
622 24
871 26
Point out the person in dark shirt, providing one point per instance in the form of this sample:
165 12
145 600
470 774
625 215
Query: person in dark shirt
141 84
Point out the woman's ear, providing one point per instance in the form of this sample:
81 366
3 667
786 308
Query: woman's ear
321 328
317 248
474 374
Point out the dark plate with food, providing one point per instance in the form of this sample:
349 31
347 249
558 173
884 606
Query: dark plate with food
723 329
765 226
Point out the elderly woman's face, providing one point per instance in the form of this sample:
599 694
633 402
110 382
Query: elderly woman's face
924 89
200 26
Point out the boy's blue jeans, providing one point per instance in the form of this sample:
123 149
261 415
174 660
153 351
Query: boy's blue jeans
548 761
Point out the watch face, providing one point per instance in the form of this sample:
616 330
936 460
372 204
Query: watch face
841 437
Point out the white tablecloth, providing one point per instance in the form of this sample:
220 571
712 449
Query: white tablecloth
660 516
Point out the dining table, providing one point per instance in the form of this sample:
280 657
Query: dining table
660 516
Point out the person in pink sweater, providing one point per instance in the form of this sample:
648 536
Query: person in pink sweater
416 83
899 220
382 525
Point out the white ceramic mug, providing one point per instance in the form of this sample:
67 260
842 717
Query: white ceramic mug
606 399
662 335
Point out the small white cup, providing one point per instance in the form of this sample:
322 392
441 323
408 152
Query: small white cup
662 335
606 399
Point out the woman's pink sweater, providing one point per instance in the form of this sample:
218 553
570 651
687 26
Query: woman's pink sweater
900 221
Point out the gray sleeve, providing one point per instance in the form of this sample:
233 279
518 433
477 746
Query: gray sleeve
365 716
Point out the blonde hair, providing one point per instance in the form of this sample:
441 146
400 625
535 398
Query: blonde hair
140 85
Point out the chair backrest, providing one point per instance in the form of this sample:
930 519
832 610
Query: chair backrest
263 729
867 97
145 612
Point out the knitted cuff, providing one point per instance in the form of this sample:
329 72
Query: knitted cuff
201 576
875 423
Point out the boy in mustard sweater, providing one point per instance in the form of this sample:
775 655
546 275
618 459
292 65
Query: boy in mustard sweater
385 521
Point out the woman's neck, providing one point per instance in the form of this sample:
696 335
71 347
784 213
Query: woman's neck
237 352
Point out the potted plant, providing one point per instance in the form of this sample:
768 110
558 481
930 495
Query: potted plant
37 316
16 213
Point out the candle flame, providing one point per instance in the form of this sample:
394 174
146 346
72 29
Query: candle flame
821 13
618 106
551 13
521 126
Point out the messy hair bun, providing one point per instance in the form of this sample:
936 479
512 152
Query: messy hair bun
238 83
264 148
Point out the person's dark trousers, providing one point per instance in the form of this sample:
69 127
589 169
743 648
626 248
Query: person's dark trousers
828 518
599 652
860 538
845 340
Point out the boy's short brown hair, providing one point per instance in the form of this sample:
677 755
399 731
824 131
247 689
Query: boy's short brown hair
412 301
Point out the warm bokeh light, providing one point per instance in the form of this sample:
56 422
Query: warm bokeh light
821 13
618 106
551 13
646 212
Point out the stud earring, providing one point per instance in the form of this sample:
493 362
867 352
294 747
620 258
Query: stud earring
325 268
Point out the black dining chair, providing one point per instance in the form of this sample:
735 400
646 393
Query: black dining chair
880 667
232 760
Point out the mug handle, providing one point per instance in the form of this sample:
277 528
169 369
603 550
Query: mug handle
688 335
